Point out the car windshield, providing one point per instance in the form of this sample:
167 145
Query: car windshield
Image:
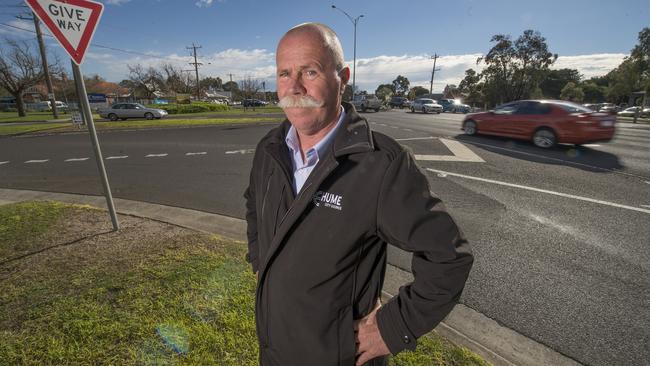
427 101
573 107
139 106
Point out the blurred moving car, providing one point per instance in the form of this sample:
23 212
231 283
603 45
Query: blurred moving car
544 122
253 103
630 112
46 106
608 108
426 105
364 102
399 102
130 110
454 106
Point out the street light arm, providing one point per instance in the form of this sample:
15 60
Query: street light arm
354 21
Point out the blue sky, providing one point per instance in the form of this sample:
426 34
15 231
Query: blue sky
394 37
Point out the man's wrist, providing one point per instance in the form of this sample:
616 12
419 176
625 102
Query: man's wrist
392 328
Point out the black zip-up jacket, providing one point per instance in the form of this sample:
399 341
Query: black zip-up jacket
321 255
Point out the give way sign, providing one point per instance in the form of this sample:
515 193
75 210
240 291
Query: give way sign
71 22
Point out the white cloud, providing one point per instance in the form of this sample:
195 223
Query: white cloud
203 3
116 2
18 31
591 65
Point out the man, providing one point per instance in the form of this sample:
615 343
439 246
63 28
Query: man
326 195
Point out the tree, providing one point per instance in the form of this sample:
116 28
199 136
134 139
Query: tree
147 81
515 69
555 80
230 86
173 79
417 91
470 87
401 85
451 92
212 83
640 55
594 93
384 92
20 70
572 92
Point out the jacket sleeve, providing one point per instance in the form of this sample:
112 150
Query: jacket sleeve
409 217
252 256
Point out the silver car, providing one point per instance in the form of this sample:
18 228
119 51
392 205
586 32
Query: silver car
130 110
426 105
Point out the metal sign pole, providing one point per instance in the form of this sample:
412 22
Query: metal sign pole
88 117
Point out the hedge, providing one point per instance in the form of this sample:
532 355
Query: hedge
191 108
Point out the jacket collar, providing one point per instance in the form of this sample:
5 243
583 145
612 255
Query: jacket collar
353 136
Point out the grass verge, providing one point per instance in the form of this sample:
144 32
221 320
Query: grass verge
152 293
135 124
30 117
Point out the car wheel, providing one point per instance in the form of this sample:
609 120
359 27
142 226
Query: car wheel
112 117
437 112
412 110
377 109
424 110
148 115
470 128
544 138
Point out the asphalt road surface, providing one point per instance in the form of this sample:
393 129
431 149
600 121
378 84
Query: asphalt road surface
560 236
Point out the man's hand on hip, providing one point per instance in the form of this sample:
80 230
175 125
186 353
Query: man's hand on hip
370 344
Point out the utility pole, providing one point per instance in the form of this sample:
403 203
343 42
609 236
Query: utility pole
196 64
46 69
433 72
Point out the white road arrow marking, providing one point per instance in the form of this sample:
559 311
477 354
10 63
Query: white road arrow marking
195 153
37 161
155 155
245 151
461 153
76 159
117 157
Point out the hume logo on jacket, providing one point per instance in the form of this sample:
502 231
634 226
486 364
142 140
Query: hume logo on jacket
328 200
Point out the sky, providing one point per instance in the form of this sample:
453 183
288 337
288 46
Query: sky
239 37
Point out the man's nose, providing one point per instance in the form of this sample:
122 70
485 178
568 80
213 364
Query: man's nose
297 87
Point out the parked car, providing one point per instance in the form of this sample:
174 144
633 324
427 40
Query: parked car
399 102
630 112
253 103
426 105
130 110
544 122
608 108
364 102
454 106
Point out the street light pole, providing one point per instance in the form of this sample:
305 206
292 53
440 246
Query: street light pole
354 21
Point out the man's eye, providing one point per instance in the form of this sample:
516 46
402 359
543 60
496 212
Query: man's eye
311 74
283 74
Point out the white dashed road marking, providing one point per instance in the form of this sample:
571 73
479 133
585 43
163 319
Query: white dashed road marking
37 161
156 155
591 145
416 138
117 157
566 195
244 151
408 129
4 162
648 206
76 159
195 153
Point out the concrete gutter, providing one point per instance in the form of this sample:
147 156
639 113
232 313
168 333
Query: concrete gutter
464 326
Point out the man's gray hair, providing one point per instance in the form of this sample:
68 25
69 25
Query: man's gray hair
330 40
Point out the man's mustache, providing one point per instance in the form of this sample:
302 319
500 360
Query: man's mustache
303 101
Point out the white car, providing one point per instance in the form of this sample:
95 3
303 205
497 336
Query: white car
630 112
426 105
131 110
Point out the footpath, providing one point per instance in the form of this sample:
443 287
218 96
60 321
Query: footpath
466 327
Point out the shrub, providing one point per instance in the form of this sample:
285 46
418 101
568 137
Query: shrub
191 108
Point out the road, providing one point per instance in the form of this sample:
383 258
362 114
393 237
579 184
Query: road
560 236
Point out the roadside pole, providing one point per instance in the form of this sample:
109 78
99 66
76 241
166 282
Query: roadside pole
88 118
73 23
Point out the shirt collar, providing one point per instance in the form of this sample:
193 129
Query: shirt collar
320 147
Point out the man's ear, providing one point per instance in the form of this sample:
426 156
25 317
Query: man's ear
344 74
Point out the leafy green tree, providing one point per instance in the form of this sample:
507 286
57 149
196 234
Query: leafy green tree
513 70
594 93
417 91
572 92
384 91
554 80
401 85
211 83
230 86
470 88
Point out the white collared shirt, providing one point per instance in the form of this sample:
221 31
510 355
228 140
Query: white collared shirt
302 169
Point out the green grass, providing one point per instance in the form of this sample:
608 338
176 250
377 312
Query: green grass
30 117
130 124
186 298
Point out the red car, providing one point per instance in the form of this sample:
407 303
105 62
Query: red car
544 122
